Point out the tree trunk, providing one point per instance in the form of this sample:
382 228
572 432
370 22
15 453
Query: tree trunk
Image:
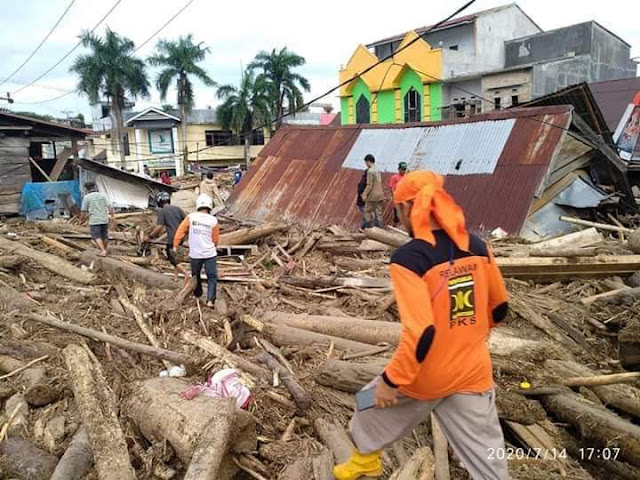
247 155
287 336
419 467
211 448
119 125
297 391
50 262
394 239
10 262
244 236
23 460
97 407
183 126
335 438
299 469
323 465
365 331
347 376
77 460
597 426
157 409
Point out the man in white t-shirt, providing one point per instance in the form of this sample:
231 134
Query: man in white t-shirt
204 234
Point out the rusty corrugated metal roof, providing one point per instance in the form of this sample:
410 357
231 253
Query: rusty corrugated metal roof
299 176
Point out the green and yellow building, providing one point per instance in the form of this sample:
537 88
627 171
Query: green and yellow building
404 88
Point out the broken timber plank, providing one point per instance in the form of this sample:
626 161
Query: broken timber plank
148 277
601 226
556 268
583 238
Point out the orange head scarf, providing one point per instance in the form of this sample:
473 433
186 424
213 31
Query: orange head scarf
426 190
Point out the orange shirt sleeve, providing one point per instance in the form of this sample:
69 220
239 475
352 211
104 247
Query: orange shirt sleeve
414 305
498 296
215 234
182 230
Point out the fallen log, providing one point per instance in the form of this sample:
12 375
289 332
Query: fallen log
557 268
612 294
23 460
213 443
327 282
600 226
583 238
596 380
394 239
300 468
440 451
323 465
598 427
288 336
365 331
52 242
421 466
96 404
621 296
334 437
355 264
39 391
10 262
224 355
625 398
347 376
297 391
13 299
77 459
244 236
128 270
161 415
564 252
162 354
53 263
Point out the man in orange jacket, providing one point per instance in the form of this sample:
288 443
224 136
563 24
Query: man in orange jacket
449 293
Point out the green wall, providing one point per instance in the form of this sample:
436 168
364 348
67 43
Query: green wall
435 91
360 89
410 79
344 110
386 107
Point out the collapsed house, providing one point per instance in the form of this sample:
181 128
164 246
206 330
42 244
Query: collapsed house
518 170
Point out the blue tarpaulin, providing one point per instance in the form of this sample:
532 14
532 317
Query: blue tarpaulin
63 194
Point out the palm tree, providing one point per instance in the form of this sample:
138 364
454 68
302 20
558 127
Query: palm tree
284 84
244 107
180 61
111 71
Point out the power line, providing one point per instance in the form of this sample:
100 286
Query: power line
40 44
173 17
70 51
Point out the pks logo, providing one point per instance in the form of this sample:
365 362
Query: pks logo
462 312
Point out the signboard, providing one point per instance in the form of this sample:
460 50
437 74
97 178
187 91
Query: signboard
627 135
160 141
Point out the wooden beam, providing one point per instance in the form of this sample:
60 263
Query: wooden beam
39 168
61 161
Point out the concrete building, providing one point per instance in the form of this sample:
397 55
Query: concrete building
153 138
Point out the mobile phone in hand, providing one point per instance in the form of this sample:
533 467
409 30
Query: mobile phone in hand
365 399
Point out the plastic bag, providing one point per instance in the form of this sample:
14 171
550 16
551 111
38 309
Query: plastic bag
225 383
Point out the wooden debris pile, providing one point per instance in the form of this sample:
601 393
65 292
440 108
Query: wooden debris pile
306 319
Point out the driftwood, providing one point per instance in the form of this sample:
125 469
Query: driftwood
394 239
300 468
161 415
564 252
346 376
440 450
611 295
162 354
13 299
600 226
583 238
52 242
297 391
420 466
38 390
213 443
53 263
328 282
244 236
224 355
558 268
96 404
10 262
128 270
597 380
77 459
365 331
323 465
23 460
625 398
287 336
334 438
597 426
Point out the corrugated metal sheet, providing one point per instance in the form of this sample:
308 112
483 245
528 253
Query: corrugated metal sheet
389 146
300 175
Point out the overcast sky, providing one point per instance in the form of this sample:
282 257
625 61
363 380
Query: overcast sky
324 32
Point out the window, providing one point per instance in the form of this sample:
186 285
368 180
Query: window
459 110
496 102
216 138
363 110
125 144
453 47
412 110
514 100
256 137
104 111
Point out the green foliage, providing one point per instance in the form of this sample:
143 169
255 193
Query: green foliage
277 71
179 61
245 106
110 69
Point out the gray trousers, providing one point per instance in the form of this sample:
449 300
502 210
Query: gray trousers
468 420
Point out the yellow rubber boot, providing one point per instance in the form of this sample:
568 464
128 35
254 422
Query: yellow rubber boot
360 465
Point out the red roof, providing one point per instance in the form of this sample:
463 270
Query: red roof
299 175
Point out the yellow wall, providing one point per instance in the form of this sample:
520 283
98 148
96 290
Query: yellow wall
424 60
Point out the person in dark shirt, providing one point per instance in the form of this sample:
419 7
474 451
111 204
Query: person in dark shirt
169 218
362 185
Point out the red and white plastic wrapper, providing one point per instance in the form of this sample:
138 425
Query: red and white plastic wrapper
224 383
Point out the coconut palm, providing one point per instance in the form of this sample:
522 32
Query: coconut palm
277 70
180 60
244 107
111 71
